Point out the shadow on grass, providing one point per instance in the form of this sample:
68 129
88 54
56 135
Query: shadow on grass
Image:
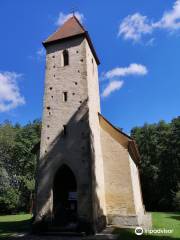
129 234
175 217
10 227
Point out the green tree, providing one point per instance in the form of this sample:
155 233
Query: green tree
17 165
159 146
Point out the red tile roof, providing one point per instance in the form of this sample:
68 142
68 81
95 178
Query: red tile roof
71 28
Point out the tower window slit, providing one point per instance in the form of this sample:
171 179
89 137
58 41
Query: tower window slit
65 58
65 96
64 130
93 64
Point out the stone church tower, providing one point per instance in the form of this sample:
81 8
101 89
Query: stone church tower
87 171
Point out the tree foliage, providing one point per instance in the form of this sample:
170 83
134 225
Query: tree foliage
17 165
159 146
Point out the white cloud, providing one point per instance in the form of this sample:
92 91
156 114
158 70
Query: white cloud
40 52
150 42
115 73
62 18
135 26
170 19
38 55
10 96
132 69
111 87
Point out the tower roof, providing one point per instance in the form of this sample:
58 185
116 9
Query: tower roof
71 28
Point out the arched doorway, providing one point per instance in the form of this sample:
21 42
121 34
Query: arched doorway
65 197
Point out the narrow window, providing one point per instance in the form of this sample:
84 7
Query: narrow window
65 96
64 130
65 58
93 64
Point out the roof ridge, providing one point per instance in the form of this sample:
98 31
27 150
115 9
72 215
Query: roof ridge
79 22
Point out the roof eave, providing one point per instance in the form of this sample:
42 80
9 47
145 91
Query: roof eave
134 152
132 146
130 138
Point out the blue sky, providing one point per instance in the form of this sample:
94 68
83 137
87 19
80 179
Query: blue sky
138 43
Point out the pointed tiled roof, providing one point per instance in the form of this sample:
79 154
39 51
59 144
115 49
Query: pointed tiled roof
71 28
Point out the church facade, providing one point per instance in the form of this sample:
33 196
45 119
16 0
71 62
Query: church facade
88 169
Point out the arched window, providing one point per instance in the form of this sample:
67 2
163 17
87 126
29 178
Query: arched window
65 58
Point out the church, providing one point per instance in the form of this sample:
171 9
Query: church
87 175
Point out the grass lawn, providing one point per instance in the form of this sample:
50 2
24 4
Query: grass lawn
160 221
11 224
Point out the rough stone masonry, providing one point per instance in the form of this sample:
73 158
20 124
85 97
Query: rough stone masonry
88 169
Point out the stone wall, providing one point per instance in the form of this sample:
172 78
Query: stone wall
107 180
138 201
74 148
80 149
99 206
117 173
123 196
